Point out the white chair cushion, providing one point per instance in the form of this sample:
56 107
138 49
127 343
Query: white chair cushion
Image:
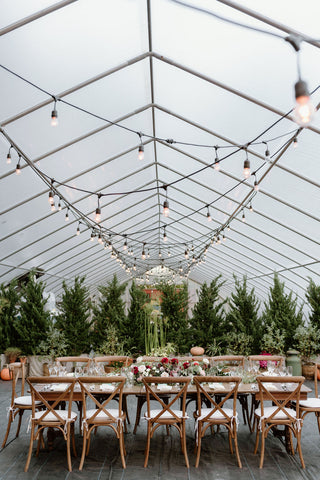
310 403
154 413
279 416
217 415
101 415
25 401
52 418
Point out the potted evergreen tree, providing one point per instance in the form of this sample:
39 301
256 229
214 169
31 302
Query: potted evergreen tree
307 342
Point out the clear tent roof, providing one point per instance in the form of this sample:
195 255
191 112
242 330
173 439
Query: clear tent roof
182 82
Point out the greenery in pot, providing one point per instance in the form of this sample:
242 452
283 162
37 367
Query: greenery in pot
165 351
313 297
112 345
273 340
54 345
12 353
307 342
238 343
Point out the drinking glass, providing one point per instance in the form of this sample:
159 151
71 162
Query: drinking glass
78 371
289 370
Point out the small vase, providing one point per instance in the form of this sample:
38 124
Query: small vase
197 351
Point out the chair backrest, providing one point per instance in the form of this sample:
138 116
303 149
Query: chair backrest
84 360
289 387
180 386
18 371
229 360
109 360
90 386
254 359
40 386
217 403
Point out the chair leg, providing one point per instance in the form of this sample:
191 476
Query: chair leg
19 422
318 420
298 436
73 441
84 447
122 448
125 408
30 448
146 455
236 446
10 420
262 448
257 441
198 445
230 442
184 444
68 448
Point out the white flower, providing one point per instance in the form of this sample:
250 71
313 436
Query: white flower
205 360
202 372
139 359
164 374
141 368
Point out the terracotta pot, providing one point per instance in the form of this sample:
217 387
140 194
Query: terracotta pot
6 374
197 351
308 371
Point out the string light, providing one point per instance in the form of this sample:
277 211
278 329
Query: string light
78 229
18 167
208 215
100 238
98 210
216 165
256 186
246 166
143 254
67 215
295 142
250 207
9 156
228 228
169 253
51 194
59 205
53 207
166 210
267 153
125 245
165 238
160 254
243 216
304 109
186 253
218 240
54 115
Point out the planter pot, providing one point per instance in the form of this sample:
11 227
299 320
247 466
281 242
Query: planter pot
308 371
197 351
6 374
38 365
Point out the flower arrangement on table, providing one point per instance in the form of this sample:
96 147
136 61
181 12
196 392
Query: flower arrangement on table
169 367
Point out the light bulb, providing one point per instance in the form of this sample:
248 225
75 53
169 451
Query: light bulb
78 230
53 207
141 152
243 217
186 254
228 228
256 186
295 142
209 218
18 167
125 245
9 158
59 206
169 254
251 208
160 254
218 240
246 168
166 210
224 238
50 199
143 255
100 238
216 165
98 215
67 216
304 109
92 237
54 118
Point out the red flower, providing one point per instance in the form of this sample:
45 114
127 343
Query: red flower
148 366
186 365
135 370
195 363
165 360
174 361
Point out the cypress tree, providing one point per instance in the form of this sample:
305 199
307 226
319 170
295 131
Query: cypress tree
243 315
313 297
33 322
208 323
73 320
109 311
133 327
9 298
174 309
283 311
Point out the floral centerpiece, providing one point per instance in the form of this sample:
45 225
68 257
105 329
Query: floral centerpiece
168 367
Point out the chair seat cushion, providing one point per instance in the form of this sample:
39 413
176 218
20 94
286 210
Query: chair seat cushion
101 415
217 415
50 417
26 401
279 416
310 403
166 415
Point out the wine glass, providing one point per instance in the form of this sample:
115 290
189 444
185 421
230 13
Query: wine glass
78 371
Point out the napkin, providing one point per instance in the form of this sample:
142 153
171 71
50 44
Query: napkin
270 386
216 386
59 387
106 387
164 388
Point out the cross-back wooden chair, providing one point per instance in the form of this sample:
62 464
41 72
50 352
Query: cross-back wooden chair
312 404
166 414
42 390
19 401
102 414
258 362
116 360
217 414
282 411
231 362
